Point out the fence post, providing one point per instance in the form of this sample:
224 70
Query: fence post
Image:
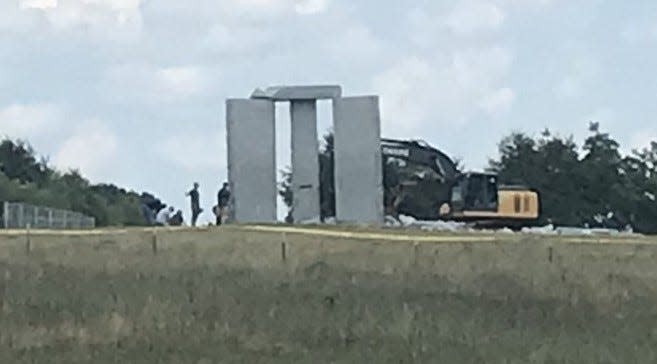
36 217
21 211
50 219
28 240
5 214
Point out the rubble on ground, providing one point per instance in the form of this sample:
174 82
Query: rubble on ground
577 231
410 222
315 221
330 221
453 226
547 230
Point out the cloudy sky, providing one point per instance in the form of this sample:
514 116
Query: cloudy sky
132 91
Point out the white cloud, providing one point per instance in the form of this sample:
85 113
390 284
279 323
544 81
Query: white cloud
581 72
119 20
194 152
311 6
436 24
403 104
92 149
568 87
604 116
257 10
527 2
640 30
153 84
28 121
274 8
643 138
226 39
352 44
38 4
445 89
469 17
180 80
498 101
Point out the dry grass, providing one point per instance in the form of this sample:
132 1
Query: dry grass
199 299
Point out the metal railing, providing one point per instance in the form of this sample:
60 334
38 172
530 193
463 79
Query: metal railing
18 215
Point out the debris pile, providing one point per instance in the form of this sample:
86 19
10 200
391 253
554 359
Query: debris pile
410 222
453 226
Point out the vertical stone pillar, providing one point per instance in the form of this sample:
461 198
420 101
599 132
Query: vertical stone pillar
305 160
358 160
251 137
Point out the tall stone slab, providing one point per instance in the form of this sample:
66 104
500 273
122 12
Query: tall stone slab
305 160
358 160
251 141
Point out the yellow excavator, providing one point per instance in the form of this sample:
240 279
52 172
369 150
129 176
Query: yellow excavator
439 191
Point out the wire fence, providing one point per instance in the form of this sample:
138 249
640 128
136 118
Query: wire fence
17 215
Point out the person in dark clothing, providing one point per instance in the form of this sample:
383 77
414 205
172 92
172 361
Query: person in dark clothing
177 219
196 206
223 199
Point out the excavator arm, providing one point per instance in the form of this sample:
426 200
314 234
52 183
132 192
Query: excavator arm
415 197
420 153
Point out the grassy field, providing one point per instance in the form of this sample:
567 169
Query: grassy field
216 297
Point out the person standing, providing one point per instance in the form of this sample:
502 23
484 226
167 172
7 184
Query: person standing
223 199
194 196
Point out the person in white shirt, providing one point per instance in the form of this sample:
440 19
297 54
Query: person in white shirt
163 216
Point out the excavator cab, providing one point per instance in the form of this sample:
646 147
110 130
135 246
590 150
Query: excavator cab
475 192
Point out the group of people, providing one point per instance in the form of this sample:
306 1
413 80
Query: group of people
157 213
167 217
220 210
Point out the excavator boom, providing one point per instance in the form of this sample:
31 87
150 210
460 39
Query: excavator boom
420 153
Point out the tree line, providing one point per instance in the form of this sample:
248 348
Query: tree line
25 177
582 185
579 185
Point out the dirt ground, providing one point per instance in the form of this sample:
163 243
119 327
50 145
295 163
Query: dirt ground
80 309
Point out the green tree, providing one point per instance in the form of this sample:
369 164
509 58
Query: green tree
640 188
18 161
327 176
598 186
548 164
326 180
26 178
